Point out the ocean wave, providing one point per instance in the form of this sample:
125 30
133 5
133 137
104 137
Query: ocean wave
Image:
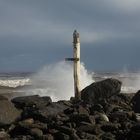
14 83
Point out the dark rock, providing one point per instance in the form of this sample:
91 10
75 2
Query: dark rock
4 136
121 116
82 110
87 136
30 101
137 117
77 118
8 112
136 102
3 98
100 90
62 117
92 129
61 136
23 137
69 111
121 98
96 107
36 132
51 111
92 119
127 125
65 129
68 131
47 137
101 117
110 127
134 133
107 136
28 125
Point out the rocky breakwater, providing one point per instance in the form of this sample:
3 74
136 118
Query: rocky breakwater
102 114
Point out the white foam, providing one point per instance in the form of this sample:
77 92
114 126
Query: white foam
56 80
14 82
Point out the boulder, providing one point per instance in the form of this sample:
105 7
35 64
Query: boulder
51 111
47 137
4 136
92 129
87 136
101 117
107 136
136 102
110 127
61 136
30 101
134 133
36 132
77 118
28 125
8 112
121 116
100 90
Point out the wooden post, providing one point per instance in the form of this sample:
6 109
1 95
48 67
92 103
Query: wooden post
76 55
76 64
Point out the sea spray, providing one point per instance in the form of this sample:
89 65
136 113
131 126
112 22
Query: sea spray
130 82
56 81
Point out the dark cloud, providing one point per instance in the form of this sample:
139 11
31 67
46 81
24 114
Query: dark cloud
40 32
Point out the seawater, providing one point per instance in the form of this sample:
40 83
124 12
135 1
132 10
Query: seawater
56 80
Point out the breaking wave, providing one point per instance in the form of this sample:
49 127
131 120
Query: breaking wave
56 81
14 83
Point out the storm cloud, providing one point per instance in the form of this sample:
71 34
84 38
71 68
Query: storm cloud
37 32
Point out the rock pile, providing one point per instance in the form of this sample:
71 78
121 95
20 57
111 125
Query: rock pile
102 114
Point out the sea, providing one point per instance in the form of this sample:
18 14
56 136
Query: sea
56 81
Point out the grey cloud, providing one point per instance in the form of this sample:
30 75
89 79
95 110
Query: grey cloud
40 20
38 28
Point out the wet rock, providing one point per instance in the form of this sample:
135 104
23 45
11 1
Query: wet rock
70 132
127 125
121 101
28 121
136 102
77 118
121 116
47 137
134 133
100 90
107 136
110 127
137 117
65 129
121 98
4 135
30 101
96 107
101 117
87 136
61 136
3 97
8 112
23 137
51 111
92 119
28 125
36 132
82 110
62 117
92 129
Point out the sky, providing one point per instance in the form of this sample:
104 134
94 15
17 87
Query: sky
35 33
